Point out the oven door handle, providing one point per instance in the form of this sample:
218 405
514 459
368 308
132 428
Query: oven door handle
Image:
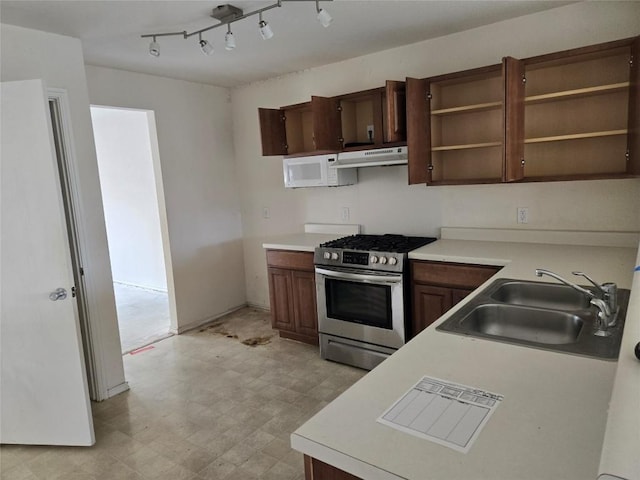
359 277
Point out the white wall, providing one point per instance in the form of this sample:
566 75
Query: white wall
382 201
30 54
201 190
129 197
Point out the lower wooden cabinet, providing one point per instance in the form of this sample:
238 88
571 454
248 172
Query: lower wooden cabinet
438 286
314 469
292 294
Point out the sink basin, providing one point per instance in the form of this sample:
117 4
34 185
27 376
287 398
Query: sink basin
539 315
548 327
544 295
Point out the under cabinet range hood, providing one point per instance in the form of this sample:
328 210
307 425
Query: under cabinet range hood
372 158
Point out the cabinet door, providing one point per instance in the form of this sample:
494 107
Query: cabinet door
633 145
429 304
418 129
272 132
304 303
513 74
326 123
280 295
395 111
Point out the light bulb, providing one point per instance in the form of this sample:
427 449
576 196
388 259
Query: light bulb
229 40
265 30
324 18
154 48
206 47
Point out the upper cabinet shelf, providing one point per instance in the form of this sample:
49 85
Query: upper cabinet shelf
562 116
578 92
367 119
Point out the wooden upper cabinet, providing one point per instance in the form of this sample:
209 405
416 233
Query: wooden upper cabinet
366 119
633 167
300 129
272 131
395 112
581 113
514 81
373 118
456 136
326 123
418 129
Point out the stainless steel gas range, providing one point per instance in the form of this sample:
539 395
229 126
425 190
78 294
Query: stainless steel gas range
363 296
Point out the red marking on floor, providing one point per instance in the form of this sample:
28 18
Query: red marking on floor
140 350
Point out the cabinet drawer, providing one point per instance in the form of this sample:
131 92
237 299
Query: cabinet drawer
290 259
451 274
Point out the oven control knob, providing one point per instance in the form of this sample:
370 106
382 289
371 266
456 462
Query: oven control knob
374 259
334 256
393 260
327 255
383 260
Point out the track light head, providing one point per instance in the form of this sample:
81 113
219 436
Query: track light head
205 46
229 39
154 48
322 15
265 30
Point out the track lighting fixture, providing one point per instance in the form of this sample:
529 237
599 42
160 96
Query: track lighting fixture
205 46
154 48
265 30
229 39
322 15
226 14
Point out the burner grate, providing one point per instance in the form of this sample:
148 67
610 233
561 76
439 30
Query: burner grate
380 243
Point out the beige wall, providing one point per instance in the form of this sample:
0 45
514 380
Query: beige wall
201 191
57 60
382 202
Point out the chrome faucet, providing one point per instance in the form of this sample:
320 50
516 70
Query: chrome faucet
608 292
584 291
607 305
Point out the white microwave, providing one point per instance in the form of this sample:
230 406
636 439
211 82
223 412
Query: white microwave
316 171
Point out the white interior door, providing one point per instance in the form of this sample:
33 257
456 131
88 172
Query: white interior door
44 398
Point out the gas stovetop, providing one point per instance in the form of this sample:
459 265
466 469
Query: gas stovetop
377 252
379 243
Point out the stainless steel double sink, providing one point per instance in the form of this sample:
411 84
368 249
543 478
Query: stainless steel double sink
542 315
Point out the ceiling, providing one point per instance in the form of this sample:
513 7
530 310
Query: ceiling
110 32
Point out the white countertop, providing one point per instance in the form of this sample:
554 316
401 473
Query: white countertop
552 421
303 242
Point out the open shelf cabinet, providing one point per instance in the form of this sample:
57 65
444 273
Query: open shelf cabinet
367 119
581 113
304 128
456 125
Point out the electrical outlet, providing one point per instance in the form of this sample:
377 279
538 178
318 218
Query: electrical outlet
344 214
266 213
523 215
370 132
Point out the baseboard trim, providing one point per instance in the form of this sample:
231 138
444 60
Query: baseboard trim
118 389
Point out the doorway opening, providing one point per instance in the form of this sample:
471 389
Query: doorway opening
135 219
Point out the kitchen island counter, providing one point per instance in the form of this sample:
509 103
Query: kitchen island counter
552 421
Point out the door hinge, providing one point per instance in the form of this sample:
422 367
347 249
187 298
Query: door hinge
522 162
524 79
429 96
82 271
73 292
627 155
430 167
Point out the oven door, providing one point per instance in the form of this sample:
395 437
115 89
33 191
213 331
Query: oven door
361 305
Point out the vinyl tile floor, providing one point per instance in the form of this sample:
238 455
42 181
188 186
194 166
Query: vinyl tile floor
143 316
201 405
